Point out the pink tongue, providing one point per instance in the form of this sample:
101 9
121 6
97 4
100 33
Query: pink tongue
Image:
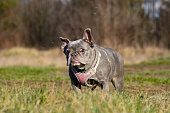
82 78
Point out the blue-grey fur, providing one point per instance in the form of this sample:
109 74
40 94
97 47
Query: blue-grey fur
110 68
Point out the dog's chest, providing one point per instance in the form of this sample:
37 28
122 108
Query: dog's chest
84 77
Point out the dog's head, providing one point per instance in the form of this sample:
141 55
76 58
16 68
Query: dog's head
79 52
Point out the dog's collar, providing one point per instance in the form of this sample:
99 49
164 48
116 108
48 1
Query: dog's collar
83 77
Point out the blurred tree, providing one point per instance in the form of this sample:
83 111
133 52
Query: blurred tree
115 23
41 19
164 24
6 7
9 23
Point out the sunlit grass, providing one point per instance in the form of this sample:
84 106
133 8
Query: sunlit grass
56 99
25 89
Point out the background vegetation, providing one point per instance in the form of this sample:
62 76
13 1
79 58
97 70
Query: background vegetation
39 23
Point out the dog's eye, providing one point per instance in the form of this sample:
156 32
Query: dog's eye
82 50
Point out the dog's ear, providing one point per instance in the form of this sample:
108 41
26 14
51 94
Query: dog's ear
87 37
65 42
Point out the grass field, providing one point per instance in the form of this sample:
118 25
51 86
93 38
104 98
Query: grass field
26 89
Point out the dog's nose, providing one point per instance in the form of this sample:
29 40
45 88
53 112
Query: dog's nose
74 54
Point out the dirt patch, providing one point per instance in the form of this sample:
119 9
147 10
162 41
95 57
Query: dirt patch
146 88
147 70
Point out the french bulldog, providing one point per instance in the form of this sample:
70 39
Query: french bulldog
91 65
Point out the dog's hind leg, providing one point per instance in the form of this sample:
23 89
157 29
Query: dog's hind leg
118 83
105 86
118 79
113 82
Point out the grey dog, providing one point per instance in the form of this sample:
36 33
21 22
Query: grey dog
91 65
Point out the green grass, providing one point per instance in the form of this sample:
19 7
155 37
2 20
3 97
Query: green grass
55 99
142 79
25 70
26 89
160 61
31 74
50 74
153 72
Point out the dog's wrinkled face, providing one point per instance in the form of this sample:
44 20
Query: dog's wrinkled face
78 52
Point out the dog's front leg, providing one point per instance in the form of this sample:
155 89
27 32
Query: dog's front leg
74 82
105 86
76 88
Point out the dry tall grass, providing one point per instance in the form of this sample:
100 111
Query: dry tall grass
52 98
34 57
